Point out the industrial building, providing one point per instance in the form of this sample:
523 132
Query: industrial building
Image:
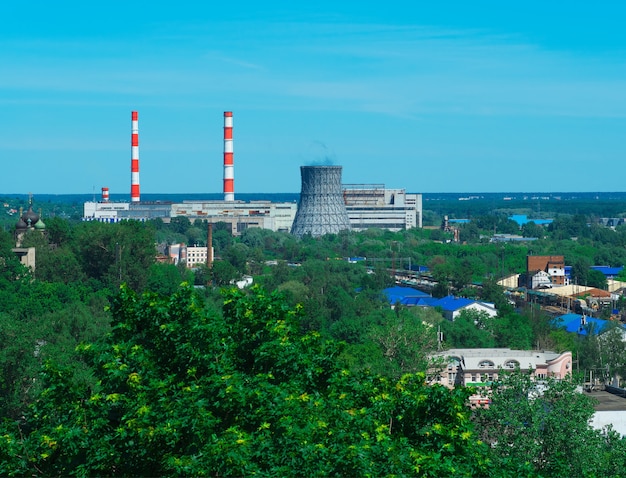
239 214
325 206
374 206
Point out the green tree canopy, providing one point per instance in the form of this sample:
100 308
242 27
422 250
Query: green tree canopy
180 392
542 429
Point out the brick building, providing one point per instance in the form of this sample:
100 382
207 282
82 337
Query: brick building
544 271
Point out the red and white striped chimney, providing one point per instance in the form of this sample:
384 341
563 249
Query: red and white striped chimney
229 175
134 161
105 194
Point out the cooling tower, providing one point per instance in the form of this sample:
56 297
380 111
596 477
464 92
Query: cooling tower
321 209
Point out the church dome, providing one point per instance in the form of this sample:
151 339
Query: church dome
30 217
39 225
21 225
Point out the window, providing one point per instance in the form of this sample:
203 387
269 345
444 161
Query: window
486 364
511 364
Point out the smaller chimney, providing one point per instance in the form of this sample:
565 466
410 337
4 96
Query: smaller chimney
209 246
105 194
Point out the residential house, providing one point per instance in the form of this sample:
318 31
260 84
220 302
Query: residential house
541 269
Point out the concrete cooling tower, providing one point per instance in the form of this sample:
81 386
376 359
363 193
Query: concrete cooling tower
321 209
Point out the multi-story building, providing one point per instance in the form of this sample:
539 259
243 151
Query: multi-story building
544 271
196 255
374 206
480 367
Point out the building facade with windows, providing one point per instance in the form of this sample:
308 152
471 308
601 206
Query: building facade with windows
480 367
374 206
544 272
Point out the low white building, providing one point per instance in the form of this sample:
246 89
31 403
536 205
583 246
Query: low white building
239 214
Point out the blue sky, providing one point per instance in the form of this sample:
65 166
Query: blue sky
429 96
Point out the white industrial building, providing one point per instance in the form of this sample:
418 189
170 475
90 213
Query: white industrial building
374 206
239 214
368 206
103 211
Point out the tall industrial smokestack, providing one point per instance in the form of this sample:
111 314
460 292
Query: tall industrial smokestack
105 194
229 175
321 209
134 161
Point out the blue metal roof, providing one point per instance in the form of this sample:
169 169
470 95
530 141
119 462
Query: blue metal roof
451 303
608 271
398 294
522 219
418 301
572 323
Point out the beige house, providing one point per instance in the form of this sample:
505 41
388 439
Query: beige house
480 367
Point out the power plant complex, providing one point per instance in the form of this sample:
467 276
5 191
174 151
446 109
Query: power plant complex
325 206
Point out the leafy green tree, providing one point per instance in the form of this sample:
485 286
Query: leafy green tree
530 229
166 278
513 331
492 292
596 279
235 394
223 273
462 273
47 321
180 224
470 329
405 341
237 255
59 231
53 264
469 232
9 263
612 351
115 253
542 429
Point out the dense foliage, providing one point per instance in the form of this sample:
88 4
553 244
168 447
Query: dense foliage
541 429
322 376
179 391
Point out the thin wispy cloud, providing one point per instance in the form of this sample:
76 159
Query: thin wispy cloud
432 85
